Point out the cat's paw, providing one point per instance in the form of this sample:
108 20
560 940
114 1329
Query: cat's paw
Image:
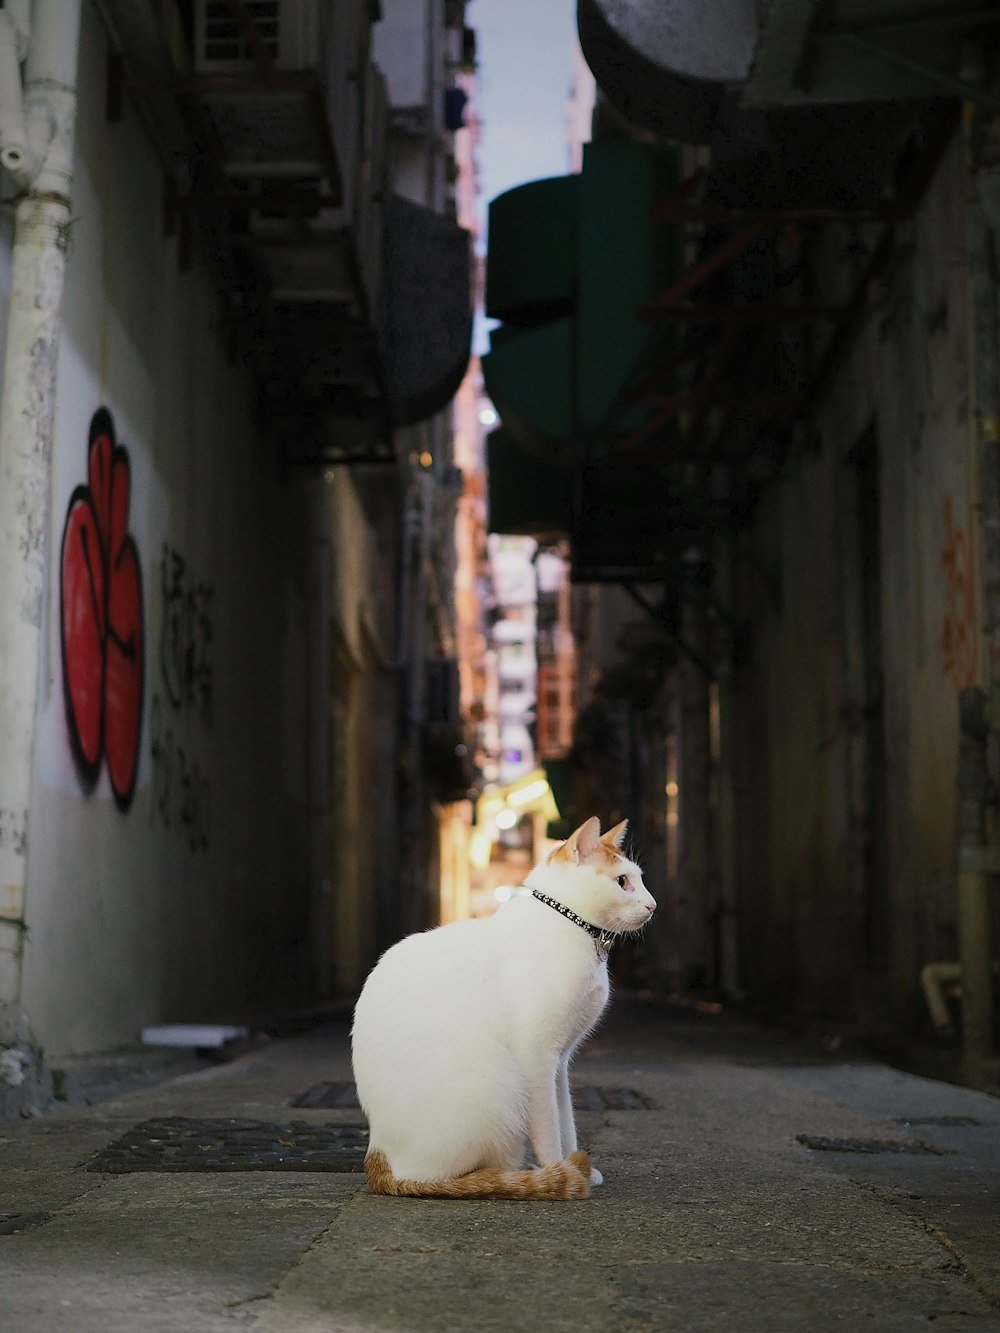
595 1176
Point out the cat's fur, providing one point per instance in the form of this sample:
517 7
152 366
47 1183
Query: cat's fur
463 1035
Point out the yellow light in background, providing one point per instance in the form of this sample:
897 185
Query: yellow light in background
426 458
480 848
525 795
672 789
507 818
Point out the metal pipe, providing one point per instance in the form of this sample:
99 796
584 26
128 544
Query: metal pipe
933 979
15 154
27 412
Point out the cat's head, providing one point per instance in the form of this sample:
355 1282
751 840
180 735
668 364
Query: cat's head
590 874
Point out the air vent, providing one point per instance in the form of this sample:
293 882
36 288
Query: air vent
286 29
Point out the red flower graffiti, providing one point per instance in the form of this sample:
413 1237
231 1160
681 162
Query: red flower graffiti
102 619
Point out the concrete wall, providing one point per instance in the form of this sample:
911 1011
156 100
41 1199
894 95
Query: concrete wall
192 901
862 598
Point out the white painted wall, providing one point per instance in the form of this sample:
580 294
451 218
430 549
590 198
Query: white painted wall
192 904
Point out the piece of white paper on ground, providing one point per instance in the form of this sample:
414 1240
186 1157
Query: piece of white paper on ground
192 1034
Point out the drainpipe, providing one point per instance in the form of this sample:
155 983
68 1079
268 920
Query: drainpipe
36 147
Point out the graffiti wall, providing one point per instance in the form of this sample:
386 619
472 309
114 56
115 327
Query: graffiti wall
104 653
183 695
160 837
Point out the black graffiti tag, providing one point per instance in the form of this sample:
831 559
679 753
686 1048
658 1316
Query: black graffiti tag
185 637
181 793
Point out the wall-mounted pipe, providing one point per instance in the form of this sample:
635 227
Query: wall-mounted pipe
28 119
27 415
934 977
14 150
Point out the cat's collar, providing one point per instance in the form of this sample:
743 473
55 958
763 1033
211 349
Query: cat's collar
602 938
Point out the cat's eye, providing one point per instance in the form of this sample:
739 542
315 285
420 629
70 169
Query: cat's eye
622 881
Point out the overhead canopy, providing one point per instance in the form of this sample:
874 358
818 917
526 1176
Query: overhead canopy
804 103
667 64
650 343
571 262
428 309
533 251
527 497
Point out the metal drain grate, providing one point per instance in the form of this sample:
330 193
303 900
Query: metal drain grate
611 1099
819 1143
328 1097
181 1144
10 1223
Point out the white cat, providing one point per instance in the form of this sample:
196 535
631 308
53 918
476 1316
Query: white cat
463 1035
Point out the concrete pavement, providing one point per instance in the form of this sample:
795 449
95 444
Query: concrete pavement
750 1193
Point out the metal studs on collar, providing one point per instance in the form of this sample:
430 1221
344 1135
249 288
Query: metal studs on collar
603 938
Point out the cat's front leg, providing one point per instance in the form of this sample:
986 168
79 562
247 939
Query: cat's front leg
544 1127
567 1121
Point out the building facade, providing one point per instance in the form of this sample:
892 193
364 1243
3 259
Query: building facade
227 501
757 394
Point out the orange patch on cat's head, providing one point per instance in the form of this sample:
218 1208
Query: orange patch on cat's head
588 844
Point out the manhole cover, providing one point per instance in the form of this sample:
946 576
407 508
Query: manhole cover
611 1099
181 1144
328 1097
819 1143
12 1222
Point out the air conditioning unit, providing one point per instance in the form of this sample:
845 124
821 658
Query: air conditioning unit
288 29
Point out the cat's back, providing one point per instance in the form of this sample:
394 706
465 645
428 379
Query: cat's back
456 941
428 971
424 1013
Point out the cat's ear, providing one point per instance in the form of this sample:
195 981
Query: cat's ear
581 843
616 836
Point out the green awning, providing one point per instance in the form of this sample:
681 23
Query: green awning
527 498
571 262
528 373
533 251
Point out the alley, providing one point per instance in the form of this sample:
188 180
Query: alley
723 1207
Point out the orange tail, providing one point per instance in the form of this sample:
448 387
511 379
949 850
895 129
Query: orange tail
568 1179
